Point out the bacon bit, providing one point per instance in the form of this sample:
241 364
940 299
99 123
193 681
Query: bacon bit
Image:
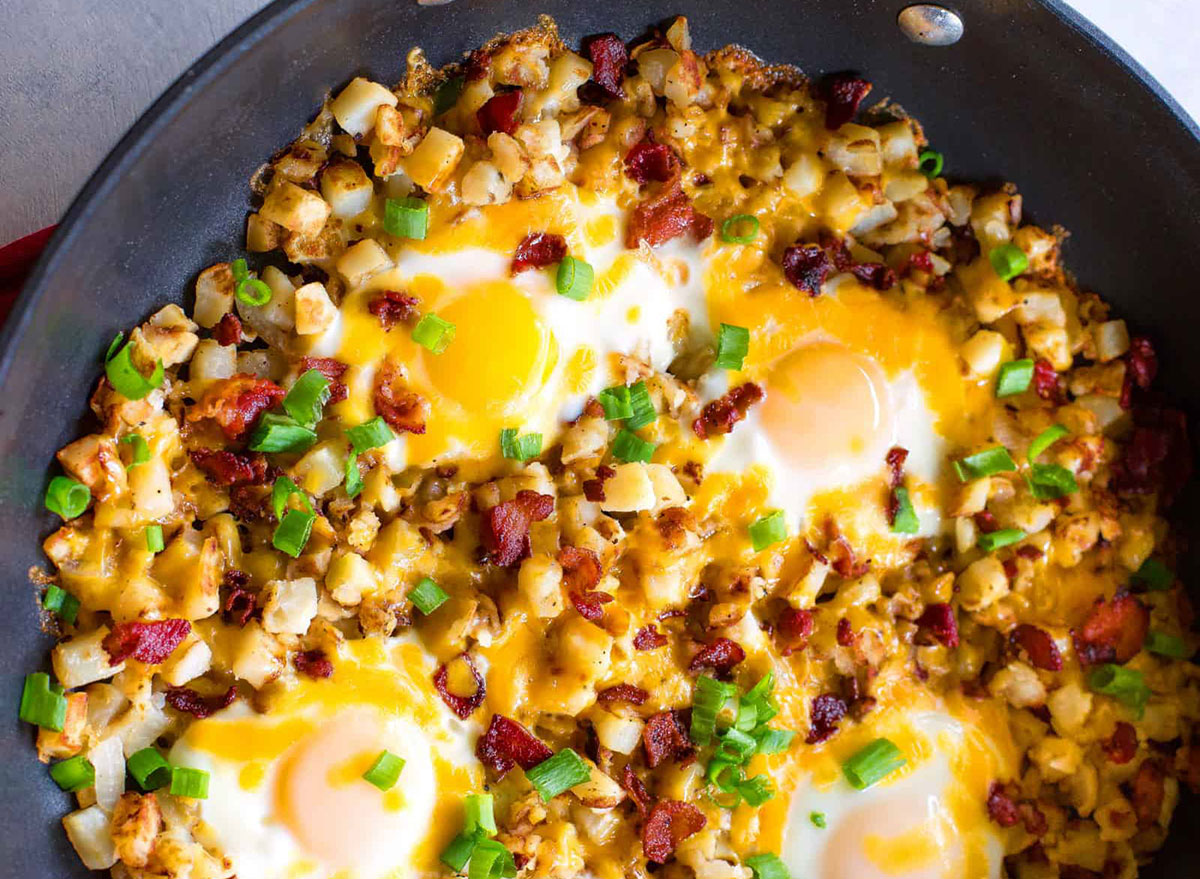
150 642
827 712
189 701
1002 806
1033 819
1038 646
393 307
918 261
240 604
499 113
842 96
1113 632
665 216
985 520
622 693
538 250
228 330
313 663
721 656
479 63
235 403
939 620
506 526
231 468
1147 791
506 742
793 628
874 274
1032 553
896 457
842 559
1121 746
636 790
647 161
1141 366
593 489
1047 382
582 571
404 410
333 370
1157 456
670 822
609 57
665 737
845 634
806 266
720 416
460 705
649 638
590 604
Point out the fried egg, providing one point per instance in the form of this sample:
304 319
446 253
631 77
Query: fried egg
287 795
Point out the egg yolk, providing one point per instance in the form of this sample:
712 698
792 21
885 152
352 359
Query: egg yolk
828 409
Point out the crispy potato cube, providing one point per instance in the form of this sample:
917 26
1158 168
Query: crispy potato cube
214 295
347 188
258 657
136 822
290 605
262 235
315 311
355 106
295 209
82 660
89 833
434 159
362 260
53 745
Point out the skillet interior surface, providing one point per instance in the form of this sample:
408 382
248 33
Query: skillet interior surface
1030 94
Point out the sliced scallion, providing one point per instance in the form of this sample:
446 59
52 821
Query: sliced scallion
574 278
873 764
406 218
427 596
558 773
306 399
433 333
733 344
768 530
66 497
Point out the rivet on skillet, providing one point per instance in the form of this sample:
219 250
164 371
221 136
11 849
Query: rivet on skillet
930 24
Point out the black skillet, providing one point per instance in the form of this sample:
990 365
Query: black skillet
1032 93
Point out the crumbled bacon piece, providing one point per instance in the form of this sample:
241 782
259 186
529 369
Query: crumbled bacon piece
622 693
669 823
405 410
148 642
896 457
1157 456
721 656
793 629
806 266
593 489
845 634
665 216
506 742
918 261
235 403
720 415
842 558
333 370
842 96
665 737
393 307
1043 653
1114 631
609 57
1121 746
240 603
228 330
649 638
1031 816
1047 382
538 250
827 712
460 705
939 620
231 468
1141 366
874 274
479 62
590 604
1002 805
189 701
499 113
636 789
582 571
1147 791
985 521
313 663
647 161
505 530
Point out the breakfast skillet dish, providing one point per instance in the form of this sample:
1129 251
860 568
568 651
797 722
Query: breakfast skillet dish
623 462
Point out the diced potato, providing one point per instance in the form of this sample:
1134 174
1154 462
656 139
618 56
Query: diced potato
262 363
667 490
136 822
141 725
484 184
212 362
88 831
1019 685
150 489
296 209
898 144
983 352
1069 707
805 175
187 663
599 791
434 159
349 578
82 660
855 150
258 656
1112 340
620 734
214 295
362 260
108 760
168 336
508 155
262 235
842 202
68 742
1058 758
355 106
567 73
315 311
322 469
653 66
982 584
290 605
94 461
629 489
540 583
347 188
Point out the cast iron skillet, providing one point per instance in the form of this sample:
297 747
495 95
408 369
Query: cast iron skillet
1032 93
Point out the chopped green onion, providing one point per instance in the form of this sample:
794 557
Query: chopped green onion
280 433
872 764
43 703
756 790
1014 377
817 819
188 782
447 94
747 716
370 434
283 489
994 540
628 446
149 769
141 449
725 776
774 741
1008 260
253 292
61 602
1166 645
1049 481
643 407
733 344
1126 685
985 463
1154 575
154 538
354 480
761 692
74 773
747 222
930 162
480 815
433 333
124 376
458 852
385 771
768 530
735 746
574 279
239 269
616 402
427 596
558 773
708 699
306 399
406 218
491 860
1046 439
905 520
66 497
767 866
519 448
293 531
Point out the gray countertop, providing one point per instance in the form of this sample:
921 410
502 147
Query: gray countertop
74 74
